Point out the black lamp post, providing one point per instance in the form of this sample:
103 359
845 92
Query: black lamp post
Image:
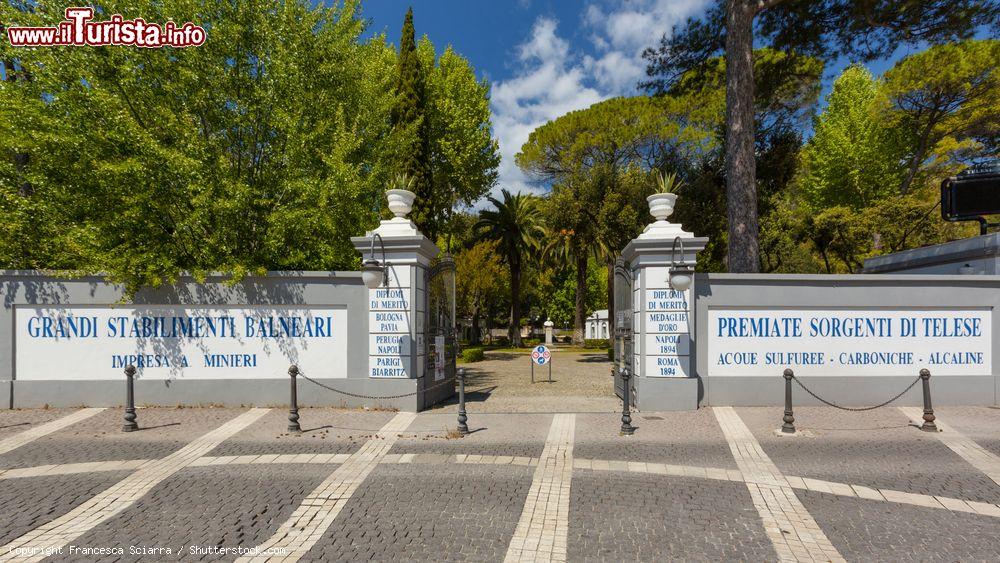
681 273
374 273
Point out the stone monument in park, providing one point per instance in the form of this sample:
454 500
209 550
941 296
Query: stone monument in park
662 310
378 338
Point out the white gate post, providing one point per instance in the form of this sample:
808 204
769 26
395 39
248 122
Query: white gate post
663 319
397 309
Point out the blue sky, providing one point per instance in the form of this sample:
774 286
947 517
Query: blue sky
544 58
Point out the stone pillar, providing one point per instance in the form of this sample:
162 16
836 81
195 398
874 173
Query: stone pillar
397 310
663 319
548 331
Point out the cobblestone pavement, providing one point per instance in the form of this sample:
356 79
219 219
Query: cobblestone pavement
430 513
26 504
99 438
977 423
622 517
492 434
387 486
18 420
192 509
681 438
323 431
876 448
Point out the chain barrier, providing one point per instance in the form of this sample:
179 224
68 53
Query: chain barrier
854 409
377 397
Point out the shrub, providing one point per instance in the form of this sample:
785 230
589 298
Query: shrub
470 355
531 342
611 354
596 343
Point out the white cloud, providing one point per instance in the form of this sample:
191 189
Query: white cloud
549 84
555 77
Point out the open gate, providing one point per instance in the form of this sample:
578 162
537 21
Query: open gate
441 345
623 326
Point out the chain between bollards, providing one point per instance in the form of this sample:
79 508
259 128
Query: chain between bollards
463 427
789 419
925 375
293 404
928 425
130 423
627 428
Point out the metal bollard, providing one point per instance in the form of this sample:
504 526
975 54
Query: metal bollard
463 427
293 405
627 428
928 425
789 419
130 423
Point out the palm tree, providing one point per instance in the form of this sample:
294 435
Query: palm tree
516 225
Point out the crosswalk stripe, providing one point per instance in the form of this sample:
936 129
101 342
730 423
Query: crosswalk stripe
297 535
30 435
793 532
543 528
34 545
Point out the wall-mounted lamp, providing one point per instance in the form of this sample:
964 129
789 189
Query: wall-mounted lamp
374 273
681 274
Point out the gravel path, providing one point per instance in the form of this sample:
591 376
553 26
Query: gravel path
581 382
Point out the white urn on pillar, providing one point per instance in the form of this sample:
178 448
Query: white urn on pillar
661 206
400 201
400 198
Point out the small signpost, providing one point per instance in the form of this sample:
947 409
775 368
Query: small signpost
541 356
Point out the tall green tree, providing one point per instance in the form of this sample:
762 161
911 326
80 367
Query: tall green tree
587 156
947 101
480 279
409 117
571 238
853 157
828 29
464 155
515 222
261 149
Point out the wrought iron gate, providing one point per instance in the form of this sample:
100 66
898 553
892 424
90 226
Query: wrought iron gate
623 326
441 347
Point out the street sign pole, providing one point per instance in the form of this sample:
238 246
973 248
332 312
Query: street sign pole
541 356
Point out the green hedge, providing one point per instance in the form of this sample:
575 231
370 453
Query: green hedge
470 355
596 343
611 354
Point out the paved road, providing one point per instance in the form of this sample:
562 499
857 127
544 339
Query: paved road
715 484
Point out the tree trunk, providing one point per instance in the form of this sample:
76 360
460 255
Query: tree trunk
741 181
580 312
21 160
474 337
611 302
917 159
490 311
514 326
